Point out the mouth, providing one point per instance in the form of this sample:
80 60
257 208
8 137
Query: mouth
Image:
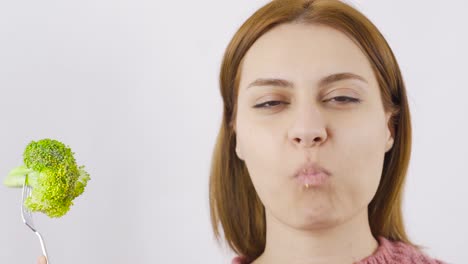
311 175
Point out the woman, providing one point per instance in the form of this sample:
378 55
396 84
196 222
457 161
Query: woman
315 140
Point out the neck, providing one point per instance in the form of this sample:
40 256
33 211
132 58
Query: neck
347 242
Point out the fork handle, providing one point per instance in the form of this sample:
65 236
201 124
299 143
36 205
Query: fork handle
44 250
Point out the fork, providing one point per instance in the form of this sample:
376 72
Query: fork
27 216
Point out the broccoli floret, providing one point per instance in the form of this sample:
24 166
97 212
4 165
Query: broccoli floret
52 173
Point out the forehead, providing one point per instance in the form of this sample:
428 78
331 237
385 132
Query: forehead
299 51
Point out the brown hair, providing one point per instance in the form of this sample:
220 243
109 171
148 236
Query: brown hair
233 200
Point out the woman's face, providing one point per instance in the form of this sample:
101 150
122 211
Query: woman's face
325 110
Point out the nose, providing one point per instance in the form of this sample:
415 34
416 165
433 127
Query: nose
308 128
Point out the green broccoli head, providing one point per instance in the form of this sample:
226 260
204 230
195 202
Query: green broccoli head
53 174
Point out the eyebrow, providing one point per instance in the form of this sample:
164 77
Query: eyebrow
323 82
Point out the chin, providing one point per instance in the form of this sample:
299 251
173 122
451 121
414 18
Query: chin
318 224
317 218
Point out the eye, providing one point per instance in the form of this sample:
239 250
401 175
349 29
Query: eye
344 100
269 104
337 99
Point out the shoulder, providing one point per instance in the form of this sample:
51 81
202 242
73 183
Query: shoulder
393 252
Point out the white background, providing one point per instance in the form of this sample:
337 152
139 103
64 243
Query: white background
132 87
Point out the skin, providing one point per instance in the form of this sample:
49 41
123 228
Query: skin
311 122
41 260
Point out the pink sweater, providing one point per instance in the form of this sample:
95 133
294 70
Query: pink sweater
388 252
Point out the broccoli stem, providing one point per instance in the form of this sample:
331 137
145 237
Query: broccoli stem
15 178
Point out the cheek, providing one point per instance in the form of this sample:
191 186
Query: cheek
259 146
257 140
362 150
